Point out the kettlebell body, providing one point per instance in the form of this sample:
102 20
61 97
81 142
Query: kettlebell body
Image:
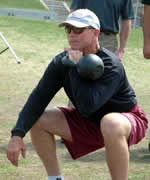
90 66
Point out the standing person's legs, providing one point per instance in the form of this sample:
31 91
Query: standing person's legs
109 42
52 122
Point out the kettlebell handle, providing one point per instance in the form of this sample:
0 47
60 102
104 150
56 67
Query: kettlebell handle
67 62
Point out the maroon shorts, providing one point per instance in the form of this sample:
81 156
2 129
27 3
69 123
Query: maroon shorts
87 136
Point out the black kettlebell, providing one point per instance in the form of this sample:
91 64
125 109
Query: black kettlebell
89 66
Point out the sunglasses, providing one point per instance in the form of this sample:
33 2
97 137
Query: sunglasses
76 30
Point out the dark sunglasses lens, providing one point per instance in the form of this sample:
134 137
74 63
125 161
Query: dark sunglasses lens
78 30
74 29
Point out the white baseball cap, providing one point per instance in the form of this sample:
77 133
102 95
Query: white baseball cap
82 18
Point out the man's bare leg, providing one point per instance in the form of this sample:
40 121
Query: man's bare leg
52 122
116 130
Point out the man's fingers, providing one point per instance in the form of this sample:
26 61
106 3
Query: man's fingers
13 157
74 55
67 49
15 147
16 157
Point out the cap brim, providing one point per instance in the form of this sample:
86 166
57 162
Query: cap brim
73 23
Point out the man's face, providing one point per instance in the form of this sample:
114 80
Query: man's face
80 38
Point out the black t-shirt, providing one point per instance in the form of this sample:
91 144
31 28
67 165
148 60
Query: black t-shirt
146 2
93 99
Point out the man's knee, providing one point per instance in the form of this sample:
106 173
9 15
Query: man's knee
41 123
115 125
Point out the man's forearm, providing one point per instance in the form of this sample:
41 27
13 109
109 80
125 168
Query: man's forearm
124 33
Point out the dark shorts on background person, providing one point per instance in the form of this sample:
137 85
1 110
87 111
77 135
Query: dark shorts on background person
87 137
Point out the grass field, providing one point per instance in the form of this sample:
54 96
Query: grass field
23 4
36 43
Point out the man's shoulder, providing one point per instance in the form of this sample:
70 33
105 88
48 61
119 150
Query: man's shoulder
59 56
111 61
105 53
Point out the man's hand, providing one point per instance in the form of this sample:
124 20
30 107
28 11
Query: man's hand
119 53
14 148
74 55
146 51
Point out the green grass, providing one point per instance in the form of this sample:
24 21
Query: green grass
36 43
22 4
26 4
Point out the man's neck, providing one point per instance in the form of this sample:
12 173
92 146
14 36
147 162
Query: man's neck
92 49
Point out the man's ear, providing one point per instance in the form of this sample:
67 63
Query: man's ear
97 32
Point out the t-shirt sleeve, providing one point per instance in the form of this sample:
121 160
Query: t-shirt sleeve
147 2
76 4
127 11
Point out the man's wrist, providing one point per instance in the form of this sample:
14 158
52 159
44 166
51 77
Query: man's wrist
18 133
16 137
122 50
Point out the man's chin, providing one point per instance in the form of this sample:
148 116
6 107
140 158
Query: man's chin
75 48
